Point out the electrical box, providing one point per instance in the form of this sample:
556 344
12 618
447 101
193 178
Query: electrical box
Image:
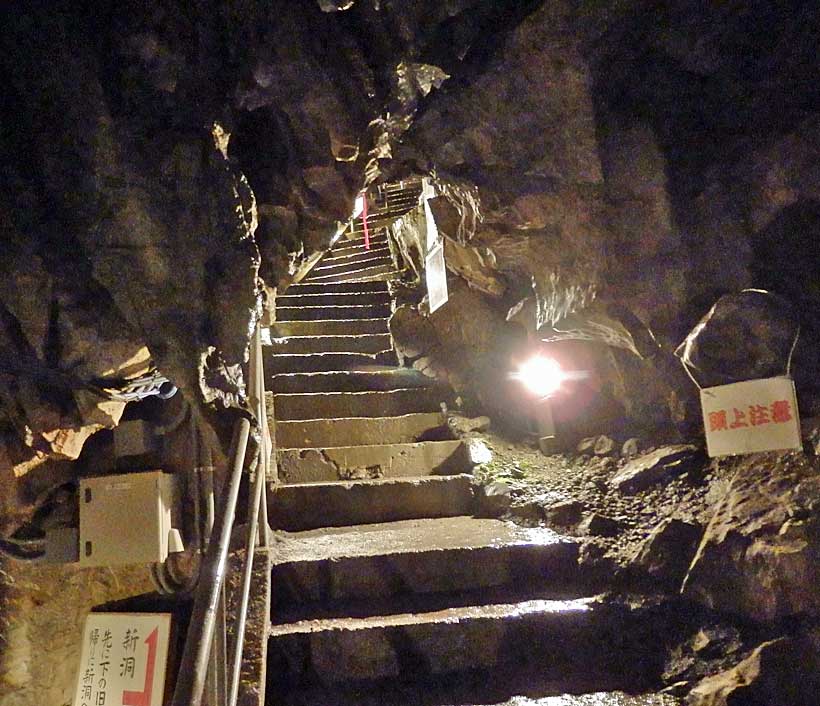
126 519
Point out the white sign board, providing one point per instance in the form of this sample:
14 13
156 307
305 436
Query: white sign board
124 658
746 417
436 274
431 227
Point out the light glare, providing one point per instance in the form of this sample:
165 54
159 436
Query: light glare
542 376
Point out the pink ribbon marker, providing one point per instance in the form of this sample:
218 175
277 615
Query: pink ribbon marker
364 222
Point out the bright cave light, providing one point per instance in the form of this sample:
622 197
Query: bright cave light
541 375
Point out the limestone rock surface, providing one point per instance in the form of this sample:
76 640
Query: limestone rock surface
760 554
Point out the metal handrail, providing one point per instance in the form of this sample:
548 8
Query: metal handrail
196 654
193 672
258 502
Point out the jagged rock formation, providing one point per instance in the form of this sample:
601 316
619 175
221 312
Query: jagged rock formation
623 153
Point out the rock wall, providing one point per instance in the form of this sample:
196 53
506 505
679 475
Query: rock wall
43 614
630 165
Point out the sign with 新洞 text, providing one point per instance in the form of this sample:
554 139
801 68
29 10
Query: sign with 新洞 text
123 659
751 416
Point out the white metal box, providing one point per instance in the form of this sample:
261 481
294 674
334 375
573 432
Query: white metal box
126 519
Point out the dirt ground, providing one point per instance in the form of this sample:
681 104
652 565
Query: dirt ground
538 483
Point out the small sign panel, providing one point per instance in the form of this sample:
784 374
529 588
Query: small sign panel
747 417
124 658
436 274
432 229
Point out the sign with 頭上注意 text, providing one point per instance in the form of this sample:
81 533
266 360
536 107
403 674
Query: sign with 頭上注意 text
123 659
751 416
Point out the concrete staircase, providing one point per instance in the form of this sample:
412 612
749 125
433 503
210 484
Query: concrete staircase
385 589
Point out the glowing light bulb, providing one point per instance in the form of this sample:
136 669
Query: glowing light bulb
542 376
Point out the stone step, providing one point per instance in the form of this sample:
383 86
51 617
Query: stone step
329 327
343 247
388 378
343 267
362 343
380 460
304 506
569 639
317 313
323 571
357 431
327 362
337 288
355 254
363 274
329 405
333 299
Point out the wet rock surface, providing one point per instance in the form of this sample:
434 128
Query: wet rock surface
759 553
779 671
733 535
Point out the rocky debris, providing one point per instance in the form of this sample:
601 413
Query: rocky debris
667 552
464 426
494 499
585 446
760 553
655 467
811 435
596 445
477 452
565 514
783 671
603 446
599 525
530 513
713 648
630 448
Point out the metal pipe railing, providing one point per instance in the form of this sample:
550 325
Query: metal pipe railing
247 574
258 503
196 654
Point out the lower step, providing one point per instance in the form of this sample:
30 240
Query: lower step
563 639
377 461
358 431
306 506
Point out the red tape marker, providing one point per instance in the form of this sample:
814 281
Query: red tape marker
364 222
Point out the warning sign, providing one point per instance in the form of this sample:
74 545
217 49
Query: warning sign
746 417
123 659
